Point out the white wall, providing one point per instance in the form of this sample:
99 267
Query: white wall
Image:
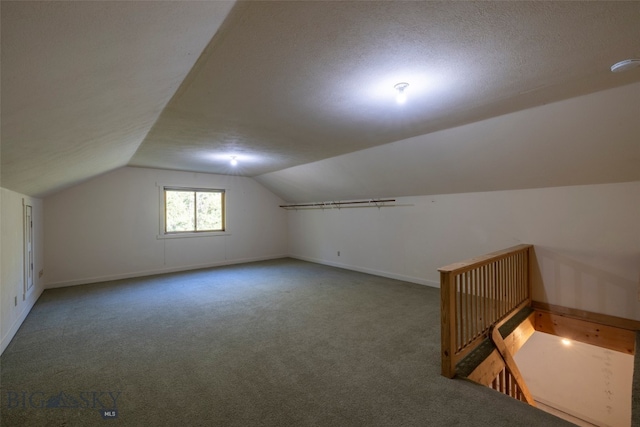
108 227
587 239
591 139
12 314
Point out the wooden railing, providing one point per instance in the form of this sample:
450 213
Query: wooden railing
499 370
477 294
505 383
514 384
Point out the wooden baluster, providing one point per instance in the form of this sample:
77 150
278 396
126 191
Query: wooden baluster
474 305
505 272
516 273
505 287
494 293
500 288
463 306
458 341
523 276
467 305
477 293
512 281
496 284
527 269
483 280
460 313
469 313
507 383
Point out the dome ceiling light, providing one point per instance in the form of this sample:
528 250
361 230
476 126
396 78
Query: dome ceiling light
625 65
401 96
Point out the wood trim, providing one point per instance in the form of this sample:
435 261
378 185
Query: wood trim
601 335
458 355
488 370
474 262
603 319
490 367
511 365
516 339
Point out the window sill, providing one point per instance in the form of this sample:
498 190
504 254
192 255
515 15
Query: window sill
190 235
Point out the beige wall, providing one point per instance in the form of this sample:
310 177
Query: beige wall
12 314
109 227
587 239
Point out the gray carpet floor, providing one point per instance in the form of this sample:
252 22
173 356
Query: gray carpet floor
276 343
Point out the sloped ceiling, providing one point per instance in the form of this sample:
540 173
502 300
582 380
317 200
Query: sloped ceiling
94 85
591 139
84 81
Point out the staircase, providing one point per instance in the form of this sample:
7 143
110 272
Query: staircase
487 315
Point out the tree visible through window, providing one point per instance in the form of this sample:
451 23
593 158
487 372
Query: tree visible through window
193 210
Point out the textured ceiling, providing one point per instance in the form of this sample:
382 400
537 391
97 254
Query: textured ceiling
591 139
288 83
88 86
83 82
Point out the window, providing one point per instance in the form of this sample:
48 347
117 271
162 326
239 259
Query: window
193 210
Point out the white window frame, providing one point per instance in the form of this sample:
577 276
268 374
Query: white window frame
162 234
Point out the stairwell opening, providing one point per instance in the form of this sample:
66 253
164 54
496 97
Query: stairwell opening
584 384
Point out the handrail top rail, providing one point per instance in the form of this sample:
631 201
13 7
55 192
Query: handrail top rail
458 267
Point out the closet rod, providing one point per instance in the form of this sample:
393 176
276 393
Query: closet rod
329 204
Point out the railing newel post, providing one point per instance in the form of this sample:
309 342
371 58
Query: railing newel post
448 322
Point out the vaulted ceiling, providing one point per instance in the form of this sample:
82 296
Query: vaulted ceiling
88 87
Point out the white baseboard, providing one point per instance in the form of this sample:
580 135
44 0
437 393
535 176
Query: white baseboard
381 273
29 303
86 281
32 300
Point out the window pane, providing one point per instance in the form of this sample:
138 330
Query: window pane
180 211
209 211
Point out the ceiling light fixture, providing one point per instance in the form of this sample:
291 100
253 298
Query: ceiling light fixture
233 162
625 65
566 341
401 96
